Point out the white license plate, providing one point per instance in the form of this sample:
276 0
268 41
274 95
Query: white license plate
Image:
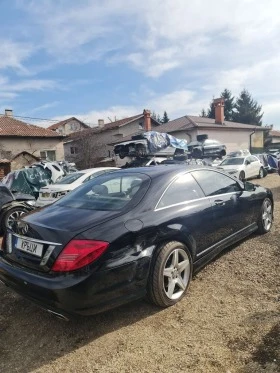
30 247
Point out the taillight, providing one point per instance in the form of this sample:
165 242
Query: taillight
79 253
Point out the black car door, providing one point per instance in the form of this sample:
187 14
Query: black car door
229 204
183 207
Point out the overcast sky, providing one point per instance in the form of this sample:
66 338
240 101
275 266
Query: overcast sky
99 59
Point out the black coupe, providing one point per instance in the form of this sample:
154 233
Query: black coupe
127 234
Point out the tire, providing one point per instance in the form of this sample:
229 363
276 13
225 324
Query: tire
242 175
266 217
261 173
170 274
11 216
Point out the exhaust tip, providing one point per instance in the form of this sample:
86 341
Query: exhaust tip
58 315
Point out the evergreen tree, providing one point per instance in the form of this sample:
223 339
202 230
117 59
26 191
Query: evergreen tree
211 110
229 104
203 113
153 115
165 118
158 119
247 110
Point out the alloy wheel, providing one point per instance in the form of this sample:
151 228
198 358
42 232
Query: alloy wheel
176 273
267 215
15 215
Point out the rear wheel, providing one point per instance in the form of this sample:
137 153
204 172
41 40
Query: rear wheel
266 217
170 274
242 175
11 216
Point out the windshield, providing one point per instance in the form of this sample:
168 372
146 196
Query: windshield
111 192
69 179
232 161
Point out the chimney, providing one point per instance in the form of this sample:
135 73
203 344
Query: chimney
147 120
8 112
101 123
219 105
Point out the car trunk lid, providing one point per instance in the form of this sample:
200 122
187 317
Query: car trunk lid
26 245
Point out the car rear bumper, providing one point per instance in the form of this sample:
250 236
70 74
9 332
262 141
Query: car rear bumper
85 294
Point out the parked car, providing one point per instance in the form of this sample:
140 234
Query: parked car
130 233
239 153
244 167
207 148
12 206
53 192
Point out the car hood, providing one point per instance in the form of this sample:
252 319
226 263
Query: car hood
231 167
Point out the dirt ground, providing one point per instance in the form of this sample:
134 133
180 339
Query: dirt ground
228 322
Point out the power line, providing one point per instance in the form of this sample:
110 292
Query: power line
50 120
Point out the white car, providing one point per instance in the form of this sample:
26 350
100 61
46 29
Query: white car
53 192
244 167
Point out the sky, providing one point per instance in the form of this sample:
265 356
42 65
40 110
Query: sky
96 59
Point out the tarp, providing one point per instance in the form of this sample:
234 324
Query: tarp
29 180
160 140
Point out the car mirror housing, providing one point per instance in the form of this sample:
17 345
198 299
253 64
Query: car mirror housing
249 187
247 162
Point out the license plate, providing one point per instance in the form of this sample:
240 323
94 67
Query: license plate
45 195
30 247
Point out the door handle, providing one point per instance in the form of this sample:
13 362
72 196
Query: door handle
219 202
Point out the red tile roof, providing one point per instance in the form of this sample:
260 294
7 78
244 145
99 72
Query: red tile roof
10 126
61 123
122 122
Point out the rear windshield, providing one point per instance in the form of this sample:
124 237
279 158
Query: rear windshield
232 161
69 179
110 192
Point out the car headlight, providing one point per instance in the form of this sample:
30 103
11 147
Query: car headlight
31 202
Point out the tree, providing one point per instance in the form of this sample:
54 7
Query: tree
203 113
165 118
229 104
211 110
247 110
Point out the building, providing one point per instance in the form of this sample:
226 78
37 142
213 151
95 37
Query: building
17 136
89 147
67 126
234 135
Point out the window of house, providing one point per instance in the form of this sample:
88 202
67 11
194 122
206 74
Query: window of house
48 155
140 126
73 150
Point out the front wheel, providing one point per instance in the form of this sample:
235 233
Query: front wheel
170 274
261 173
266 217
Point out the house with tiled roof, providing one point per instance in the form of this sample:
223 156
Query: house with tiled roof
69 125
86 148
17 136
234 135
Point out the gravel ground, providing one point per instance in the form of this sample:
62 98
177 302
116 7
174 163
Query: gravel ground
228 322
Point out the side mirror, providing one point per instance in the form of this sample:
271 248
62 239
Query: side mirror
247 162
249 187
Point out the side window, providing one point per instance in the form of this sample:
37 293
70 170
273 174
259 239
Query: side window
214 183
253 159
183 189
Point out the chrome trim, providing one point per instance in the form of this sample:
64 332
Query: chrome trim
58 315
48 253
194 200
225 239
190 171
35 240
